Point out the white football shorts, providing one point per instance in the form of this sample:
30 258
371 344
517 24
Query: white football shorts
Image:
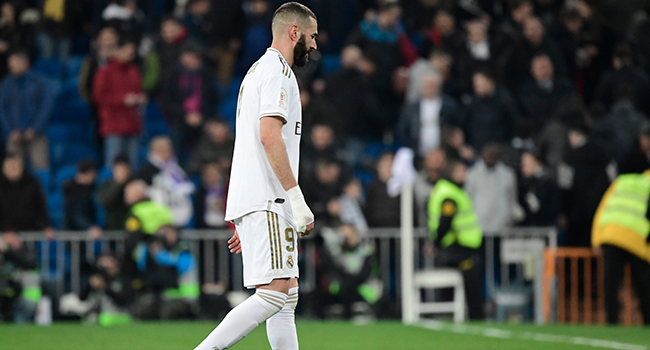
269 247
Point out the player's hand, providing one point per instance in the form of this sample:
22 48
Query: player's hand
234 244
301 212
310 228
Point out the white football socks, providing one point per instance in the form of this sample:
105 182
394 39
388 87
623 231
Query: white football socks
281 327
243 319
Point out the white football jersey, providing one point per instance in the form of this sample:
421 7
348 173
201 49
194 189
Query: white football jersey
269 89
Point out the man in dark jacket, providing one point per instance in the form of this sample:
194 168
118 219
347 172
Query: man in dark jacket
538 193
638 160
189 97
26 100
380 209
490 116
175 38
540 97
583 177
78 203
22 203
111 194
421 123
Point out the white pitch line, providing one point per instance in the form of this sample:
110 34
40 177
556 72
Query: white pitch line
540 337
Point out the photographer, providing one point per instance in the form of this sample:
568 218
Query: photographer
109 292
20 288
170 275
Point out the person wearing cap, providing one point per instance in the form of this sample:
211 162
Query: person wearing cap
621 229
638 160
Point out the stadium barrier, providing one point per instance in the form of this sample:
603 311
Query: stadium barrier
580 300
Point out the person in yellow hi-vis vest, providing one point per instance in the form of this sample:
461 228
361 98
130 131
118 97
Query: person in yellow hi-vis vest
621 229
453 225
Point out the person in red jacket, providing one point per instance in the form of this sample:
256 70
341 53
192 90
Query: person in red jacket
117 91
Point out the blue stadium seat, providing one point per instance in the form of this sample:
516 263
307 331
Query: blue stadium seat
55 208
70 154
364 176
66 132
43 177
228 110
51 68
73 67
64 174
69 92
100 213
153 112
104 174
75 111
330 64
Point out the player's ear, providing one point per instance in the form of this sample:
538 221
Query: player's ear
294 32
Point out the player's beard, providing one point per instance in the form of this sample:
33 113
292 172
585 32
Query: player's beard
301 52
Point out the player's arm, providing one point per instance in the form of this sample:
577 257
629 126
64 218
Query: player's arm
276 153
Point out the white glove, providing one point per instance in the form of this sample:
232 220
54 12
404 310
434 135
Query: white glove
301 212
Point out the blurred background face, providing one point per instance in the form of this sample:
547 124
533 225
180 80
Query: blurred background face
389 18
135 192
126 53
435 163
322 136
18 65
170 30
328 173
483 86
107 38
163 149
13 169
476 31
353 189
200 7
534 31
212 174
430 86
529 165
445 22
8 12
191 61
576 139
109 264
121 171
87 178
490 156
542 68
384 167
522 12
458 173
442 64
350 56
644 141
218 132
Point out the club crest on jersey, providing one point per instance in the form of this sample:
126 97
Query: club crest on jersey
282 100
290 262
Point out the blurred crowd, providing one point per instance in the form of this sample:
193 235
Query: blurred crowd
545 102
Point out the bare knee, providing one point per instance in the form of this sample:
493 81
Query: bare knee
279 285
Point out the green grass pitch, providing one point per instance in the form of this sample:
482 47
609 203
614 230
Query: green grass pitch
315 335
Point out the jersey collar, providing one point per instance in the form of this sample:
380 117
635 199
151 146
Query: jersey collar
276 50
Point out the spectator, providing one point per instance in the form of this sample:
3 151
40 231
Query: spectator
348 260
540 97
382 210
14 32
625 76
175 39
170 272
357 109
535 41
489 117
638 160
228 24
170 185
434 164
320 145
444 34
22 203
322 189
125 16
520 11
78 200
438 63
103 48
210 198
539 195
454 146
421 122
189 98
349 205
257 36
198 22
117 91
454 228
56 28
26 100
109 293
111 194
215 145
20 288
492 186
583 175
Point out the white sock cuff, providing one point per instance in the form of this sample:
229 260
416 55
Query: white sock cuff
274 298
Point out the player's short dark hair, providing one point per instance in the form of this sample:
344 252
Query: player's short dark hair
296 9
85 166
